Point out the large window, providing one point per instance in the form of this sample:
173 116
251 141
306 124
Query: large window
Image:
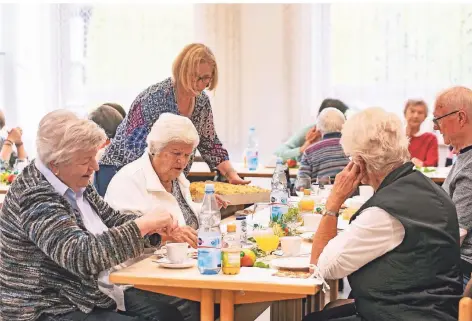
383 54
117 51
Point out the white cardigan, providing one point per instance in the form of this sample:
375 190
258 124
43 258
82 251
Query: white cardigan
137 188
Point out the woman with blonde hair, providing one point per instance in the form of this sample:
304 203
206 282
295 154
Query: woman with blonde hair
194 70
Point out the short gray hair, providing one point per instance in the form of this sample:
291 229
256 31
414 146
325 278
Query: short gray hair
458 97
61 134
377 137
330 120
171 128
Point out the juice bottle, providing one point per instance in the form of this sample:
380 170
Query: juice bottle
231 252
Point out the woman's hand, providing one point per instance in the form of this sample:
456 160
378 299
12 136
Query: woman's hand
417 162
163 223
233 178
345 184
221 202
185 234
15 135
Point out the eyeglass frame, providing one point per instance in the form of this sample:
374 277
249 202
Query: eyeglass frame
436 120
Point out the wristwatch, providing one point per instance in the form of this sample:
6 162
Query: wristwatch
330 213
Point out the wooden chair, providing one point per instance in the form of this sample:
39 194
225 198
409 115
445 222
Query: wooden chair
465 304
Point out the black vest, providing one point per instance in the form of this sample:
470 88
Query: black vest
420 279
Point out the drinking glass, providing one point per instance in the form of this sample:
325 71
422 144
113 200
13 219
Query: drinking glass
301 184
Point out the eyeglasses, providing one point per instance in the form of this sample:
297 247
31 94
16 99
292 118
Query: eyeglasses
436 120
205 79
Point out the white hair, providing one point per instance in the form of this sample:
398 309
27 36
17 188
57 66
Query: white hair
61 134
378 138
170 128
330 120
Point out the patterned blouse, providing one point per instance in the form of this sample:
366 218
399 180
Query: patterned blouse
130 139
189 215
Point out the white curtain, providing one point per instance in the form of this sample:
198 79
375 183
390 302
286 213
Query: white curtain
383 54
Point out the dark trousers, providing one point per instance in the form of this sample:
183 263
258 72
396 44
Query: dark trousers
103 177
140 306
345 312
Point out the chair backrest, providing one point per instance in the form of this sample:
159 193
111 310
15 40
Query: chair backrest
465 309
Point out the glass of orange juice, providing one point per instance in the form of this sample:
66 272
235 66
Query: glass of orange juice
306 204
266 240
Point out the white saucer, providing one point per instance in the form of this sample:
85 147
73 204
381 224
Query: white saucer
164 262
304 229
308 236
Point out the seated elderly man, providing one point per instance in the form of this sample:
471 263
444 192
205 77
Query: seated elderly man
326 157
401 249
60 239
453 118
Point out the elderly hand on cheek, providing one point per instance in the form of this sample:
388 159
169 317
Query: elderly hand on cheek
345 184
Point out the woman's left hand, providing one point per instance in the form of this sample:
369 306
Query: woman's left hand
221 202
233 178
345 184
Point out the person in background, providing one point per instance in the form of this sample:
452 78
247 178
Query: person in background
296 145
194 70
450 156
401 249
60 239
14 137
326 157
453 118
423 146
107 118
118 108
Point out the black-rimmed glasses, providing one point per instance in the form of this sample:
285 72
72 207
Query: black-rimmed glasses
436 120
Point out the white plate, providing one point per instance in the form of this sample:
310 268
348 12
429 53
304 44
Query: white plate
164 262
304 229
308 236
291 263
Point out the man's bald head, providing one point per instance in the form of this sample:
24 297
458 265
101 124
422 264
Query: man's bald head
455 98
453 116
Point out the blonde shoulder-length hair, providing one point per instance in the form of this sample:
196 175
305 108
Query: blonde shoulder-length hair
186 63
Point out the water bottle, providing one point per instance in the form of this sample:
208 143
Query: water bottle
279 176
252 153
209 234
279 193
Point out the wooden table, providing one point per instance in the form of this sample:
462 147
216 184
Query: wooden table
201 169
4 188
252 285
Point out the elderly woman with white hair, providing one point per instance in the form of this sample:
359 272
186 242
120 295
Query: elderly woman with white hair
155 181
401 249
60 239
325 158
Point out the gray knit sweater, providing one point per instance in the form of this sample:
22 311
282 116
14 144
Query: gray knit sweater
49 262
458 185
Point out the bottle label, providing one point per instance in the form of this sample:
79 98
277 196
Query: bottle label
252 159
209 251
231 259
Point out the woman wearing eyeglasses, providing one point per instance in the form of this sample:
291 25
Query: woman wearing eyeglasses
193 71
423 146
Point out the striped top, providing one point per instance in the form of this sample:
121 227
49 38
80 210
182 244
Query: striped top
324 158
130 139
49 262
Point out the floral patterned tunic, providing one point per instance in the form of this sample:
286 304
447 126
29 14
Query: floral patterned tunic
130 139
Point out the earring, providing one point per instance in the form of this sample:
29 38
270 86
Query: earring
56 173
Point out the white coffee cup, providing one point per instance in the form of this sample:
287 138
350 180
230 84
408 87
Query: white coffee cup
291 245
177 252
311 221
366 192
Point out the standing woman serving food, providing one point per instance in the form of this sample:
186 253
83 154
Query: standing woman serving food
193 71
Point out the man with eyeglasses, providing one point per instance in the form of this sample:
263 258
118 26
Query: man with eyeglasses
453 118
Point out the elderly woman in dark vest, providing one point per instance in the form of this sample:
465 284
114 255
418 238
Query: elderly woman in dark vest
401 249
60 240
